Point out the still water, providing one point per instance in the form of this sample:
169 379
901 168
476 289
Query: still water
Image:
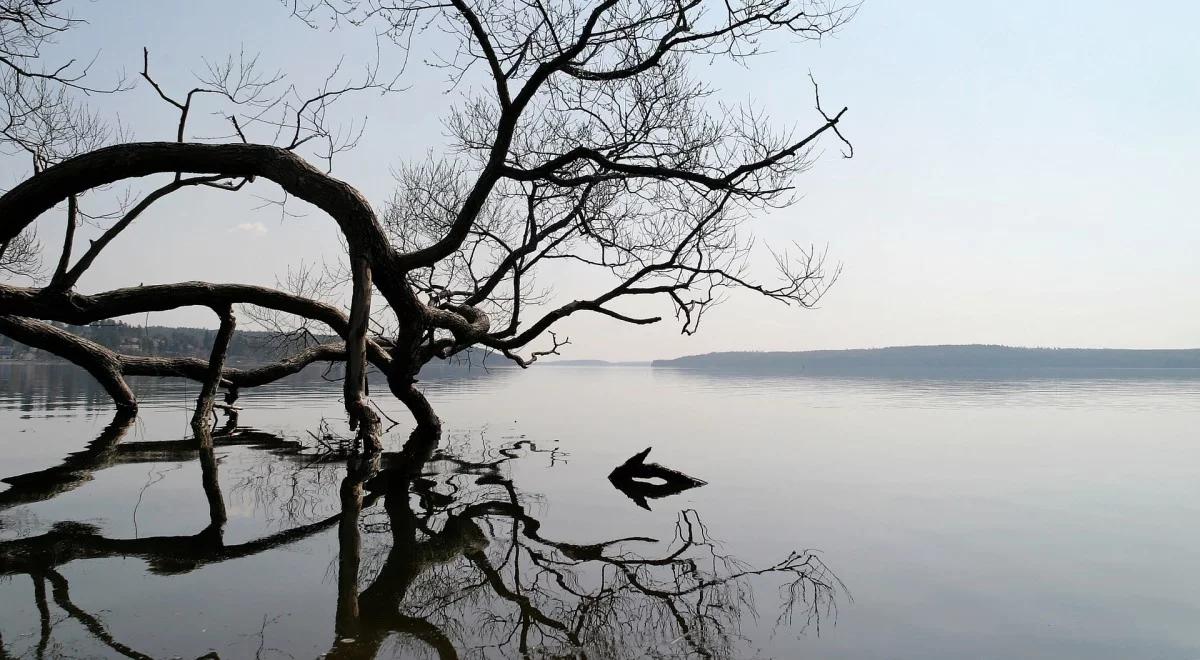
952 515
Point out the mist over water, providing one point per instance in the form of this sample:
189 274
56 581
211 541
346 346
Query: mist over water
963 514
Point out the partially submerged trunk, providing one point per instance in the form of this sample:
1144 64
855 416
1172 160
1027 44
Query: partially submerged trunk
104 365
642 481
212 378
362 418
422 411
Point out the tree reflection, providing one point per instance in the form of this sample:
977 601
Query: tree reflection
439 554
467 561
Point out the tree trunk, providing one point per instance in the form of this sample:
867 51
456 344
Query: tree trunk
362 417
403 386
212 379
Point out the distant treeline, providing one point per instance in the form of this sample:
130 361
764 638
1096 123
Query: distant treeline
247 346
943 357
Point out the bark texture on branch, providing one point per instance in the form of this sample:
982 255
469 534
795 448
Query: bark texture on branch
212 375
362 418
110 368
99 361
81 309
23 204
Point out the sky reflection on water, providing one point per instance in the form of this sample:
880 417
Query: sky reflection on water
1011 515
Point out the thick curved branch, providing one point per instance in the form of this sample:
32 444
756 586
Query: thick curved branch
196 368
81 309
24 203
103 364
364 235
466 322
110 367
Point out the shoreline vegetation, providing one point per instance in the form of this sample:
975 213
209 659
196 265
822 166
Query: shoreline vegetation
245 346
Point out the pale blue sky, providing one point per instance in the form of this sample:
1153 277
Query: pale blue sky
1021 177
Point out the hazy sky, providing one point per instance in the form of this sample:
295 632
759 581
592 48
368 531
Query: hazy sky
1021 175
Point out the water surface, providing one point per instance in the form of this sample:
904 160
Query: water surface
945 515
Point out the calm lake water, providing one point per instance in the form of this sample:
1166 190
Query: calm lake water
983 515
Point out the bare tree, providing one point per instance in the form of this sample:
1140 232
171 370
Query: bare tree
583 138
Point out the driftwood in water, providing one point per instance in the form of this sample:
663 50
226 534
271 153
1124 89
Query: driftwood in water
632 478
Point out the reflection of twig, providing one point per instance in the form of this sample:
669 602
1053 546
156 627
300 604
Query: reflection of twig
538 595
330 442
295 491
262 639
150 481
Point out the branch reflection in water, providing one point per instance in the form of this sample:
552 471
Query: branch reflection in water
439 555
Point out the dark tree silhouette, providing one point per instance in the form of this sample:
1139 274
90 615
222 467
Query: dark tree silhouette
583 138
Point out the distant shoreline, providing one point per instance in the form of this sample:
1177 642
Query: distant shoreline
934 357
971 356
891 360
